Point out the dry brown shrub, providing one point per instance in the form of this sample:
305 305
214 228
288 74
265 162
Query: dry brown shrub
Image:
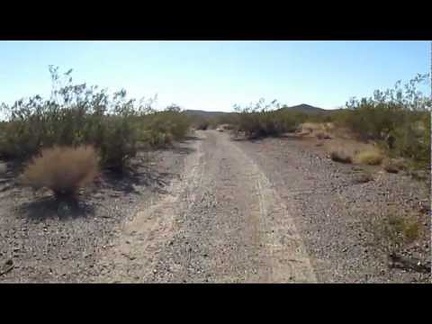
62 169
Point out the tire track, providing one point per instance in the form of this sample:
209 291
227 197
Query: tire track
223 222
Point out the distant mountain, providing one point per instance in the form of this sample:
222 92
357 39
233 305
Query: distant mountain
204 114
308 109
304 108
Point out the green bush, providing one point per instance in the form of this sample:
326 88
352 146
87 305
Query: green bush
266 120
399 120
81 115
161 128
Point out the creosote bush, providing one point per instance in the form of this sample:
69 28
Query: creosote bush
78 114
397 119
263 120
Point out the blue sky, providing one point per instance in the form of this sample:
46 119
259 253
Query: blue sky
216 75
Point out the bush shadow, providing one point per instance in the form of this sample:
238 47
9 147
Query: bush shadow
190 138
127 181
183 150
260 138
51 207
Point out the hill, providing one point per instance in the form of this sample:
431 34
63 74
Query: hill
304 108
204 114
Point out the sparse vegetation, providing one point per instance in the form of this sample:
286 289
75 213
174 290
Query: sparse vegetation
82 115
161 128
262 120
397 119
394 165
392 231
369 157
63 170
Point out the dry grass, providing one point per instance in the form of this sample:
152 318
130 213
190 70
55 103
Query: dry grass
394 231
62 169
348 150
369 156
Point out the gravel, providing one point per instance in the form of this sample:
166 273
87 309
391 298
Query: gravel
335 212
48 242
217 210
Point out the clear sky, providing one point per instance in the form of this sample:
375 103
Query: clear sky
216 75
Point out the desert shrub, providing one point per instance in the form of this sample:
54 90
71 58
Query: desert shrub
74 115
161 128
398 119
266 120
393 231
340 156
86 115
369 156
62 169
323 135
394 165
203 125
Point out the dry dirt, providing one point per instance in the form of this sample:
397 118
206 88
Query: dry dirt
216 210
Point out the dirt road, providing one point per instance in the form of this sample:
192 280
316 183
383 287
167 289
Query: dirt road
216 210
222 222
